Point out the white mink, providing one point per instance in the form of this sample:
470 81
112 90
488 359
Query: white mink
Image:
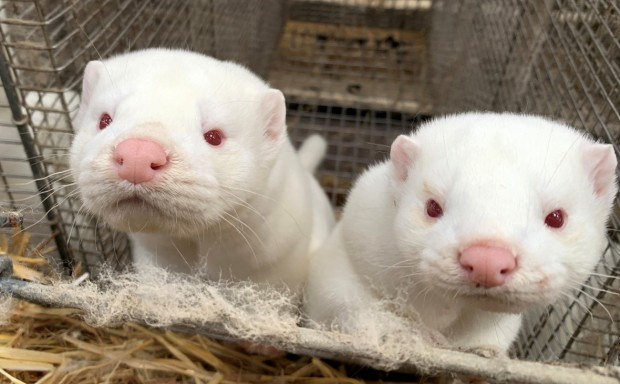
476 217
190 156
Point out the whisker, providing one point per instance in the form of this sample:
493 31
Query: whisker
571 298
422 291
605 276
599 303
250 192
245 204
279 206
248 227
398 264
44 216
51 193
51 181
180 254
456 294
562 160
242 235
409 275
597 289
76 218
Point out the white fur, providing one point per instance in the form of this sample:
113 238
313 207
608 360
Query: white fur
496 176
312 152
246 209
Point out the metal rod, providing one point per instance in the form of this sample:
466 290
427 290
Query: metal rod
36 165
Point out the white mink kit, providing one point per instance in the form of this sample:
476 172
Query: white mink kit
476 217
190 156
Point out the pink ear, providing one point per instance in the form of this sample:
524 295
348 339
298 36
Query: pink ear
402 154
92 72
274 109
600 163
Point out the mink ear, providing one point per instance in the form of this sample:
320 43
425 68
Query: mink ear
600 163
274 109
92 73
402 154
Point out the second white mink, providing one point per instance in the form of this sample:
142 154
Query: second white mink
477 218
190 156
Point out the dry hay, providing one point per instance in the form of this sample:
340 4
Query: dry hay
51 345
30 264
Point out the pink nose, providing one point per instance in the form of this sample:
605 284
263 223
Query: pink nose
488 266
139 160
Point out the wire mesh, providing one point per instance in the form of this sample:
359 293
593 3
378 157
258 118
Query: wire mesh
359 72
17 188
356 137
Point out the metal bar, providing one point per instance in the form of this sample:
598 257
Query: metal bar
39 174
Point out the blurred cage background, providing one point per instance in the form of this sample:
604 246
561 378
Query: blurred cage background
360 72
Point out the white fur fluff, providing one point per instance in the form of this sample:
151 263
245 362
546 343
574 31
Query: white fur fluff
497 176
246 209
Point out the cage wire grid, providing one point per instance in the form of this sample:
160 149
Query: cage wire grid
359 72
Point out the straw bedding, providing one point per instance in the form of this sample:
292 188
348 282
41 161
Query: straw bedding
61 345
47 345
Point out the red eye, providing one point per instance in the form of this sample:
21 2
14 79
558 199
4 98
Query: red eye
555 219
433 209
214 137
104 121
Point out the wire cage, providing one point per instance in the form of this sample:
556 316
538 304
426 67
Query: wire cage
359 72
